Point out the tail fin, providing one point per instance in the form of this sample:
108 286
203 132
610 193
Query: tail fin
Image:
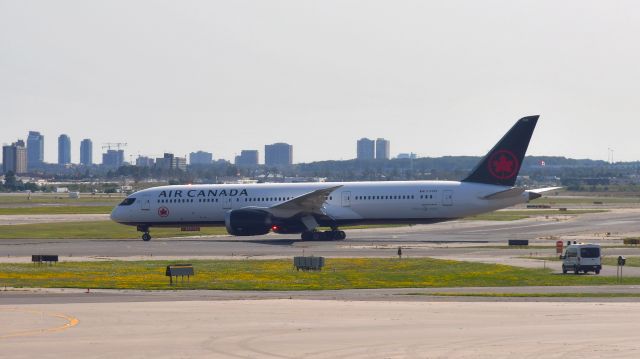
501 165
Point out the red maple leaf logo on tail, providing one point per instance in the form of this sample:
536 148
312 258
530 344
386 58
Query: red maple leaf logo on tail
503 165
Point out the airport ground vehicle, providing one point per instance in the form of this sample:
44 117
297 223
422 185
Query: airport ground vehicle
582 258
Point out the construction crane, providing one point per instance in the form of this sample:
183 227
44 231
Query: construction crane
117 145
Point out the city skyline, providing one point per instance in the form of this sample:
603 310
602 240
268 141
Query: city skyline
447 79
86 151
123 156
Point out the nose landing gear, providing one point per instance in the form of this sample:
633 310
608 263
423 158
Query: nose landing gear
145 236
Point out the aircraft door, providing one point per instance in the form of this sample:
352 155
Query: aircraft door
226 203
447 198
346 199
145 204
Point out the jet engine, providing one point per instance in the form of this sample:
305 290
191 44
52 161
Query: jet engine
247 222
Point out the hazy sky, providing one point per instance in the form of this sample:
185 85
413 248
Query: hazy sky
434 77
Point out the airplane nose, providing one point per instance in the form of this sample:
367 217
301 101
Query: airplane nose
115 215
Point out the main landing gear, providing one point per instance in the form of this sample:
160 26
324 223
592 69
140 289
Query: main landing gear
145 236
333 235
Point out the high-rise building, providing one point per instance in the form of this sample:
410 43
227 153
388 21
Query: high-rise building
179 163
383 150
35 149
247 158
165 161
64 149
200 158
14 158
278 154
143 161
86 152
169 161
366 149
113 158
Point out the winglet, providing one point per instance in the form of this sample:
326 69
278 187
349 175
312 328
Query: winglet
501 165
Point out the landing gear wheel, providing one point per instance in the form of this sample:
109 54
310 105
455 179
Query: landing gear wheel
146 237
341 235
597 271
576 270
564 270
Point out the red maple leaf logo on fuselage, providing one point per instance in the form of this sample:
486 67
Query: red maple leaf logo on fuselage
163 211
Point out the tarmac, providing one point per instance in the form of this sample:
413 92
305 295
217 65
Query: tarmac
389 323
283 328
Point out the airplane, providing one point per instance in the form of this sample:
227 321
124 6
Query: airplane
302 208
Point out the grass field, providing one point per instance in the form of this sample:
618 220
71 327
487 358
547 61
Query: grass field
91 230
279 275
613 261
109 230
517 215
56 210
19 199
553 200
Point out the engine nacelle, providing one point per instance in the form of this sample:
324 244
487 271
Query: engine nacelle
247 222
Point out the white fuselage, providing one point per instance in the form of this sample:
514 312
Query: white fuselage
353 202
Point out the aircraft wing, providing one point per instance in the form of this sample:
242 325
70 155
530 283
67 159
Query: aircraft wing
311 202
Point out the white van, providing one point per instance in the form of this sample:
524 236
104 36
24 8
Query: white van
582 257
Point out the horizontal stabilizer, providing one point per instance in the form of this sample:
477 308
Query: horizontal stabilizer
543 190
537 193
511 192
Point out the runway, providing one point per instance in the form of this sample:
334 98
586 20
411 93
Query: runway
320 329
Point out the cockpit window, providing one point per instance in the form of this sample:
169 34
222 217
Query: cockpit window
127 201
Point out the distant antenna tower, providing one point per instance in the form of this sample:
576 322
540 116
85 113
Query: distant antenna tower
610 155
